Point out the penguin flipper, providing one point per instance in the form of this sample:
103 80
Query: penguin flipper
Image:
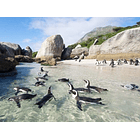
79 105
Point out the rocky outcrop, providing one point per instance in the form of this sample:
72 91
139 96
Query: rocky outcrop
7 64
22 58
12 49
79 50
27 52
125 44
66 53
51 47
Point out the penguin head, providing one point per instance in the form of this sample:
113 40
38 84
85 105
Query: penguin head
70 85
87 83
74 93
11 99
49 90
16 88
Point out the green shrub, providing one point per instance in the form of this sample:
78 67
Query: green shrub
34 54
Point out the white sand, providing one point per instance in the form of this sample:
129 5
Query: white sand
91 62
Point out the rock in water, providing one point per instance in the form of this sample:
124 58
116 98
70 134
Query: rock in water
51 47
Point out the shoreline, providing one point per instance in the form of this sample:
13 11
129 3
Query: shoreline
91 62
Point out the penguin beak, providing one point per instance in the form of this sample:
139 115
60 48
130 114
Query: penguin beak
85 81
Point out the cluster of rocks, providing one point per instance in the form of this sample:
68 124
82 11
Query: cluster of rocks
10 56
53 49
123 45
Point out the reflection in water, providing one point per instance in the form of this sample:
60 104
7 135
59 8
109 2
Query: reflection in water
120 104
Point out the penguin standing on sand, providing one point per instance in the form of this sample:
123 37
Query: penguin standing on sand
136 62
21 97
112 63
80 100
46 98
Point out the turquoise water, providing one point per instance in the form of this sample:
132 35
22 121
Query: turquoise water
120 105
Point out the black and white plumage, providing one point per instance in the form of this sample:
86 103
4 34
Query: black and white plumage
78 89
63 80
40 83
85 100
96 89
41 78
22 89
45 73
112 63
131 86
46 98
21 97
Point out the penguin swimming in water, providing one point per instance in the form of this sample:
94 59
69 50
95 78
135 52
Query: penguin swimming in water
96 89
43 71
21 97
40 83
80 100
131 87
22 89
78 89
63 80
40 78
46 98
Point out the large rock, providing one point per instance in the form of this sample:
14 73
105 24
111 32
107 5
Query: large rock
12 48
27 52
66 53
125 44
51 47
7 63
79 50
22 58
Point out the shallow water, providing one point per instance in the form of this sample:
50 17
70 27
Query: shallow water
121 105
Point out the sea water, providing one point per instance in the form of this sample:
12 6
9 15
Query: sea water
121 105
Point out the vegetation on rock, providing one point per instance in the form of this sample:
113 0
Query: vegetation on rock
102 38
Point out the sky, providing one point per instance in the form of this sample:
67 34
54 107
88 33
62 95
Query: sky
32 31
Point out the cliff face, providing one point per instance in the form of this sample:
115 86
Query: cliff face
96 32
125 44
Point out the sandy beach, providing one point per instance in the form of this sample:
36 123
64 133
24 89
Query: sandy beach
91 62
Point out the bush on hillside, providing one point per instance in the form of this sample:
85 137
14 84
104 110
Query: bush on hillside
34 54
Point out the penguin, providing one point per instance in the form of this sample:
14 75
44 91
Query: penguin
130 87
22 89
131 62
40 83
76 58
21 97
125 61
104 61
78 89
43 71
96 89
40 78
86 100
63 80
112 63
46 98
136 62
